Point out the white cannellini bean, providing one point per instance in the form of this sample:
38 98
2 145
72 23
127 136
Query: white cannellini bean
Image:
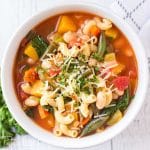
32 101
101 100
92 62
26 87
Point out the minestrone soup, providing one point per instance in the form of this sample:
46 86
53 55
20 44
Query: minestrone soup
75 74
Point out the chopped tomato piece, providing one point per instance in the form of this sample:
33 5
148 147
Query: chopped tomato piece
30 75
54 72
121 82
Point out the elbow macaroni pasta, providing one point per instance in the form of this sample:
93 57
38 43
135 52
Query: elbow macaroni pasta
48 98
63 119
57 131
60 103
66 131
91 98
84 109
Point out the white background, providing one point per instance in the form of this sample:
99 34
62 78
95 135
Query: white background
135 137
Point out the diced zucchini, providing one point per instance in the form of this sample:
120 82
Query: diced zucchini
112 33
31 52
37 88
66 24
39 44
110 57
115 118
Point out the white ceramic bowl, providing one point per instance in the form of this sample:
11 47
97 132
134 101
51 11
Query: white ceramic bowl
35 130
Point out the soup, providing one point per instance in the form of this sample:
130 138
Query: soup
75 74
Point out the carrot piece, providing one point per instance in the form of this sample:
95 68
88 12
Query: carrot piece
43 113
95 31
30 75
85 121
51 120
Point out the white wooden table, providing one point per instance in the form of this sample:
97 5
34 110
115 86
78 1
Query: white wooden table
135 137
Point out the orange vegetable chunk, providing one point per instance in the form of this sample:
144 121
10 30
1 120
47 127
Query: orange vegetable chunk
66 24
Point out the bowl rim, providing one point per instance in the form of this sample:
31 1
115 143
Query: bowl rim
43 135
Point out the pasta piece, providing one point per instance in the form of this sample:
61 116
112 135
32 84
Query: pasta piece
84 109
93 47
57 131
48 99
74 51
87 26
93 40
104 98
66 131
63 49
91 98
60 103
92 62
63 119
100 83
86 50
101 100
103 24
108 94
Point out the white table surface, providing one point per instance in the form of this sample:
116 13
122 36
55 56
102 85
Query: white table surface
135 137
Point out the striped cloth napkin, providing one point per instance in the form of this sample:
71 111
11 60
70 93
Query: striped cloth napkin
137 14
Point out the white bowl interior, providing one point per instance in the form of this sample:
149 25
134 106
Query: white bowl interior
35 130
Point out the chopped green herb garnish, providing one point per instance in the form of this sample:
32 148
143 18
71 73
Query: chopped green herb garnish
8 126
